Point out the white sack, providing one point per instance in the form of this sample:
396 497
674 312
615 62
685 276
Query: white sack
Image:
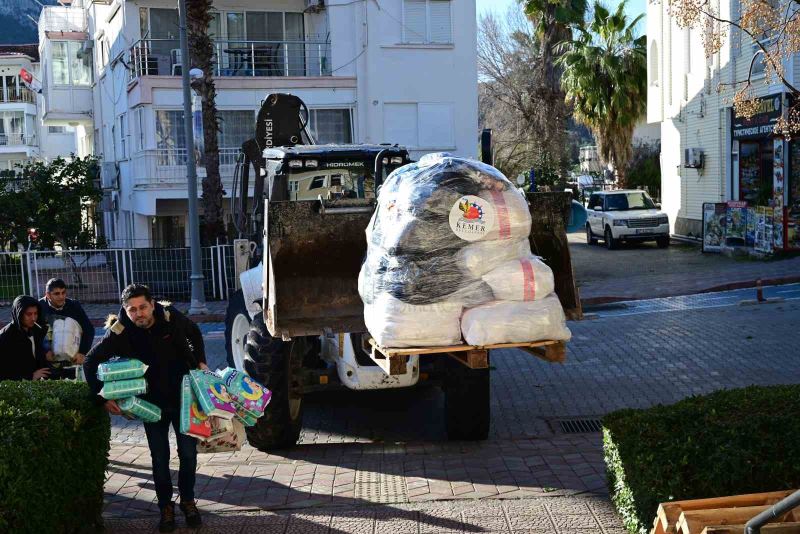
512 216
66 338
393 323
522 279
515 322
481 257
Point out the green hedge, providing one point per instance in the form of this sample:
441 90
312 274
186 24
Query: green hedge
727 443
54 445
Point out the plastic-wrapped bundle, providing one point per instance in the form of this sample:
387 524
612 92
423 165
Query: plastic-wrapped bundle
119 389
141 409
427 213
66 338
515 322
521 279
479 258
248 394
393 323
211 393
193 421
118 368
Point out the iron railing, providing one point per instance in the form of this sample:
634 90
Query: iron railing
162 57
15 139
14 94
168 166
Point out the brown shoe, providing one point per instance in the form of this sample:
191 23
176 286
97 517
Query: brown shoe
192 514
167 523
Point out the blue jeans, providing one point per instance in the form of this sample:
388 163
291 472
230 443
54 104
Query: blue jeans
158 441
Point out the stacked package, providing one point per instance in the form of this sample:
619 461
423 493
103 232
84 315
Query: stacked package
448 254
123 379
215 408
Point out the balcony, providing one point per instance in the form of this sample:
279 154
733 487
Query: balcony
307 58
13 95
62 19
17 139
167 168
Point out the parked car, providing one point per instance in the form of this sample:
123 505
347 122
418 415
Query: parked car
625 215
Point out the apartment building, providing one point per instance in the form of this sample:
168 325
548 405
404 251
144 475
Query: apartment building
399 71
708 154
22 136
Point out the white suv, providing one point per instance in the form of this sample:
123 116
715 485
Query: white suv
628 215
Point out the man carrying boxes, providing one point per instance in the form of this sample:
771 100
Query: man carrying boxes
158 338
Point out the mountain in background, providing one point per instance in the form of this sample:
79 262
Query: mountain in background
17 26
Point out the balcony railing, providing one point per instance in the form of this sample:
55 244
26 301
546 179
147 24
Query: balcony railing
17 139
63 19
162 57
17 95
167 167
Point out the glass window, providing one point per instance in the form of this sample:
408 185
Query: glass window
164 33
331 126
60 63
336 179
628 201
235 127
170 137
80 64
317 183
122 134
594 201
12 127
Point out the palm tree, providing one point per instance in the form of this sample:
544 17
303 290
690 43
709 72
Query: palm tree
201 52
553 21
605 78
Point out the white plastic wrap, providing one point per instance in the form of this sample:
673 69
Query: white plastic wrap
512 216
66 338
479 258
525 279
393 323
515 322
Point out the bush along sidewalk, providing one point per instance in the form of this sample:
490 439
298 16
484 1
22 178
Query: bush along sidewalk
726 443
55 444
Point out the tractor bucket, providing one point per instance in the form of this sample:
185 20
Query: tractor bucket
315 250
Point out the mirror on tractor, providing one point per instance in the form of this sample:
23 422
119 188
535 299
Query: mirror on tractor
598 208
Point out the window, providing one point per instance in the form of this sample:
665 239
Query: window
170 137
317 183
654 78
56 129
122 136
72 65
595 201
12 127
336 179
235 127
422 125
140 128
427 21
331 126
294 186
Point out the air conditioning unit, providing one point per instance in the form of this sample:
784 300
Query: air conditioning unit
693 158
109 175
315 5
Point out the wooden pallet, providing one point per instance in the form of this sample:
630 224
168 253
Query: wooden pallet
393 360
723 515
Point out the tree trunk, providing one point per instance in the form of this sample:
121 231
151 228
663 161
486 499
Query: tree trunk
201 52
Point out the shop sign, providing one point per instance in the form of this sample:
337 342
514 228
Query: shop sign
762 123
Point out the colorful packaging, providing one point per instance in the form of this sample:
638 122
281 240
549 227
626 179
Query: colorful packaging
246 392
118 368
119 389
141 409
212 395
245 417
227 436
193 421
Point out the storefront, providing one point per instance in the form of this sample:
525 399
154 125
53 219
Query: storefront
764 213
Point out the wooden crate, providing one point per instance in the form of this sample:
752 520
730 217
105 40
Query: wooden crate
723 515
393 360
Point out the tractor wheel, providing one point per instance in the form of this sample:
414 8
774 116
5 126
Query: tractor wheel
277 365
237 326
466 402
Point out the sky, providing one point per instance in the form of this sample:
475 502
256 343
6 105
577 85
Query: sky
634 8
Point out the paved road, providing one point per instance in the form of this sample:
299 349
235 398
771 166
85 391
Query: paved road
360 448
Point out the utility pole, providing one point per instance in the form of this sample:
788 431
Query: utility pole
198 304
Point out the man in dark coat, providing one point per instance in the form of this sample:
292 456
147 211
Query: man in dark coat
55 304
22 353
158 337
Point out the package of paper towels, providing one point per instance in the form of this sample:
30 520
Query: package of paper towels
515 322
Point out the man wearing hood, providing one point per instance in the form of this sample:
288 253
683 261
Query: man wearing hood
22 353
158 336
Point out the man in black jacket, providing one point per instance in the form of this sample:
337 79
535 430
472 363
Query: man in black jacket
157 336
22 353
56 304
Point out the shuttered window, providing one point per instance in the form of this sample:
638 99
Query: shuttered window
427 21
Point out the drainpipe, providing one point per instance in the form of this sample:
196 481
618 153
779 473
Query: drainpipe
754 525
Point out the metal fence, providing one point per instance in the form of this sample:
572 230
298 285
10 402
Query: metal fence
100 275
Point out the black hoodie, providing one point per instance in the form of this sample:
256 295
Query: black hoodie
164 347
18 358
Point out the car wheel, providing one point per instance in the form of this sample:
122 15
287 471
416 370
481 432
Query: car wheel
590 239
662 242
608 237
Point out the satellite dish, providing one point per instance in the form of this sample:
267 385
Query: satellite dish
521 179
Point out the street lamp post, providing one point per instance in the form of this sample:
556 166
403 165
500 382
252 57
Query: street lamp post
198 300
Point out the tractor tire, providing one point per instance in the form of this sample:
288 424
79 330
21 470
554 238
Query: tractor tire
277 365
466 402
237 327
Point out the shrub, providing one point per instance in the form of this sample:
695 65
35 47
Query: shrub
54 442
726 443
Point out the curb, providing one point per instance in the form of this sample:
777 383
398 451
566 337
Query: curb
589 303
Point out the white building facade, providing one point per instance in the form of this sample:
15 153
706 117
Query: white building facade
399 71
729 159
23 137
